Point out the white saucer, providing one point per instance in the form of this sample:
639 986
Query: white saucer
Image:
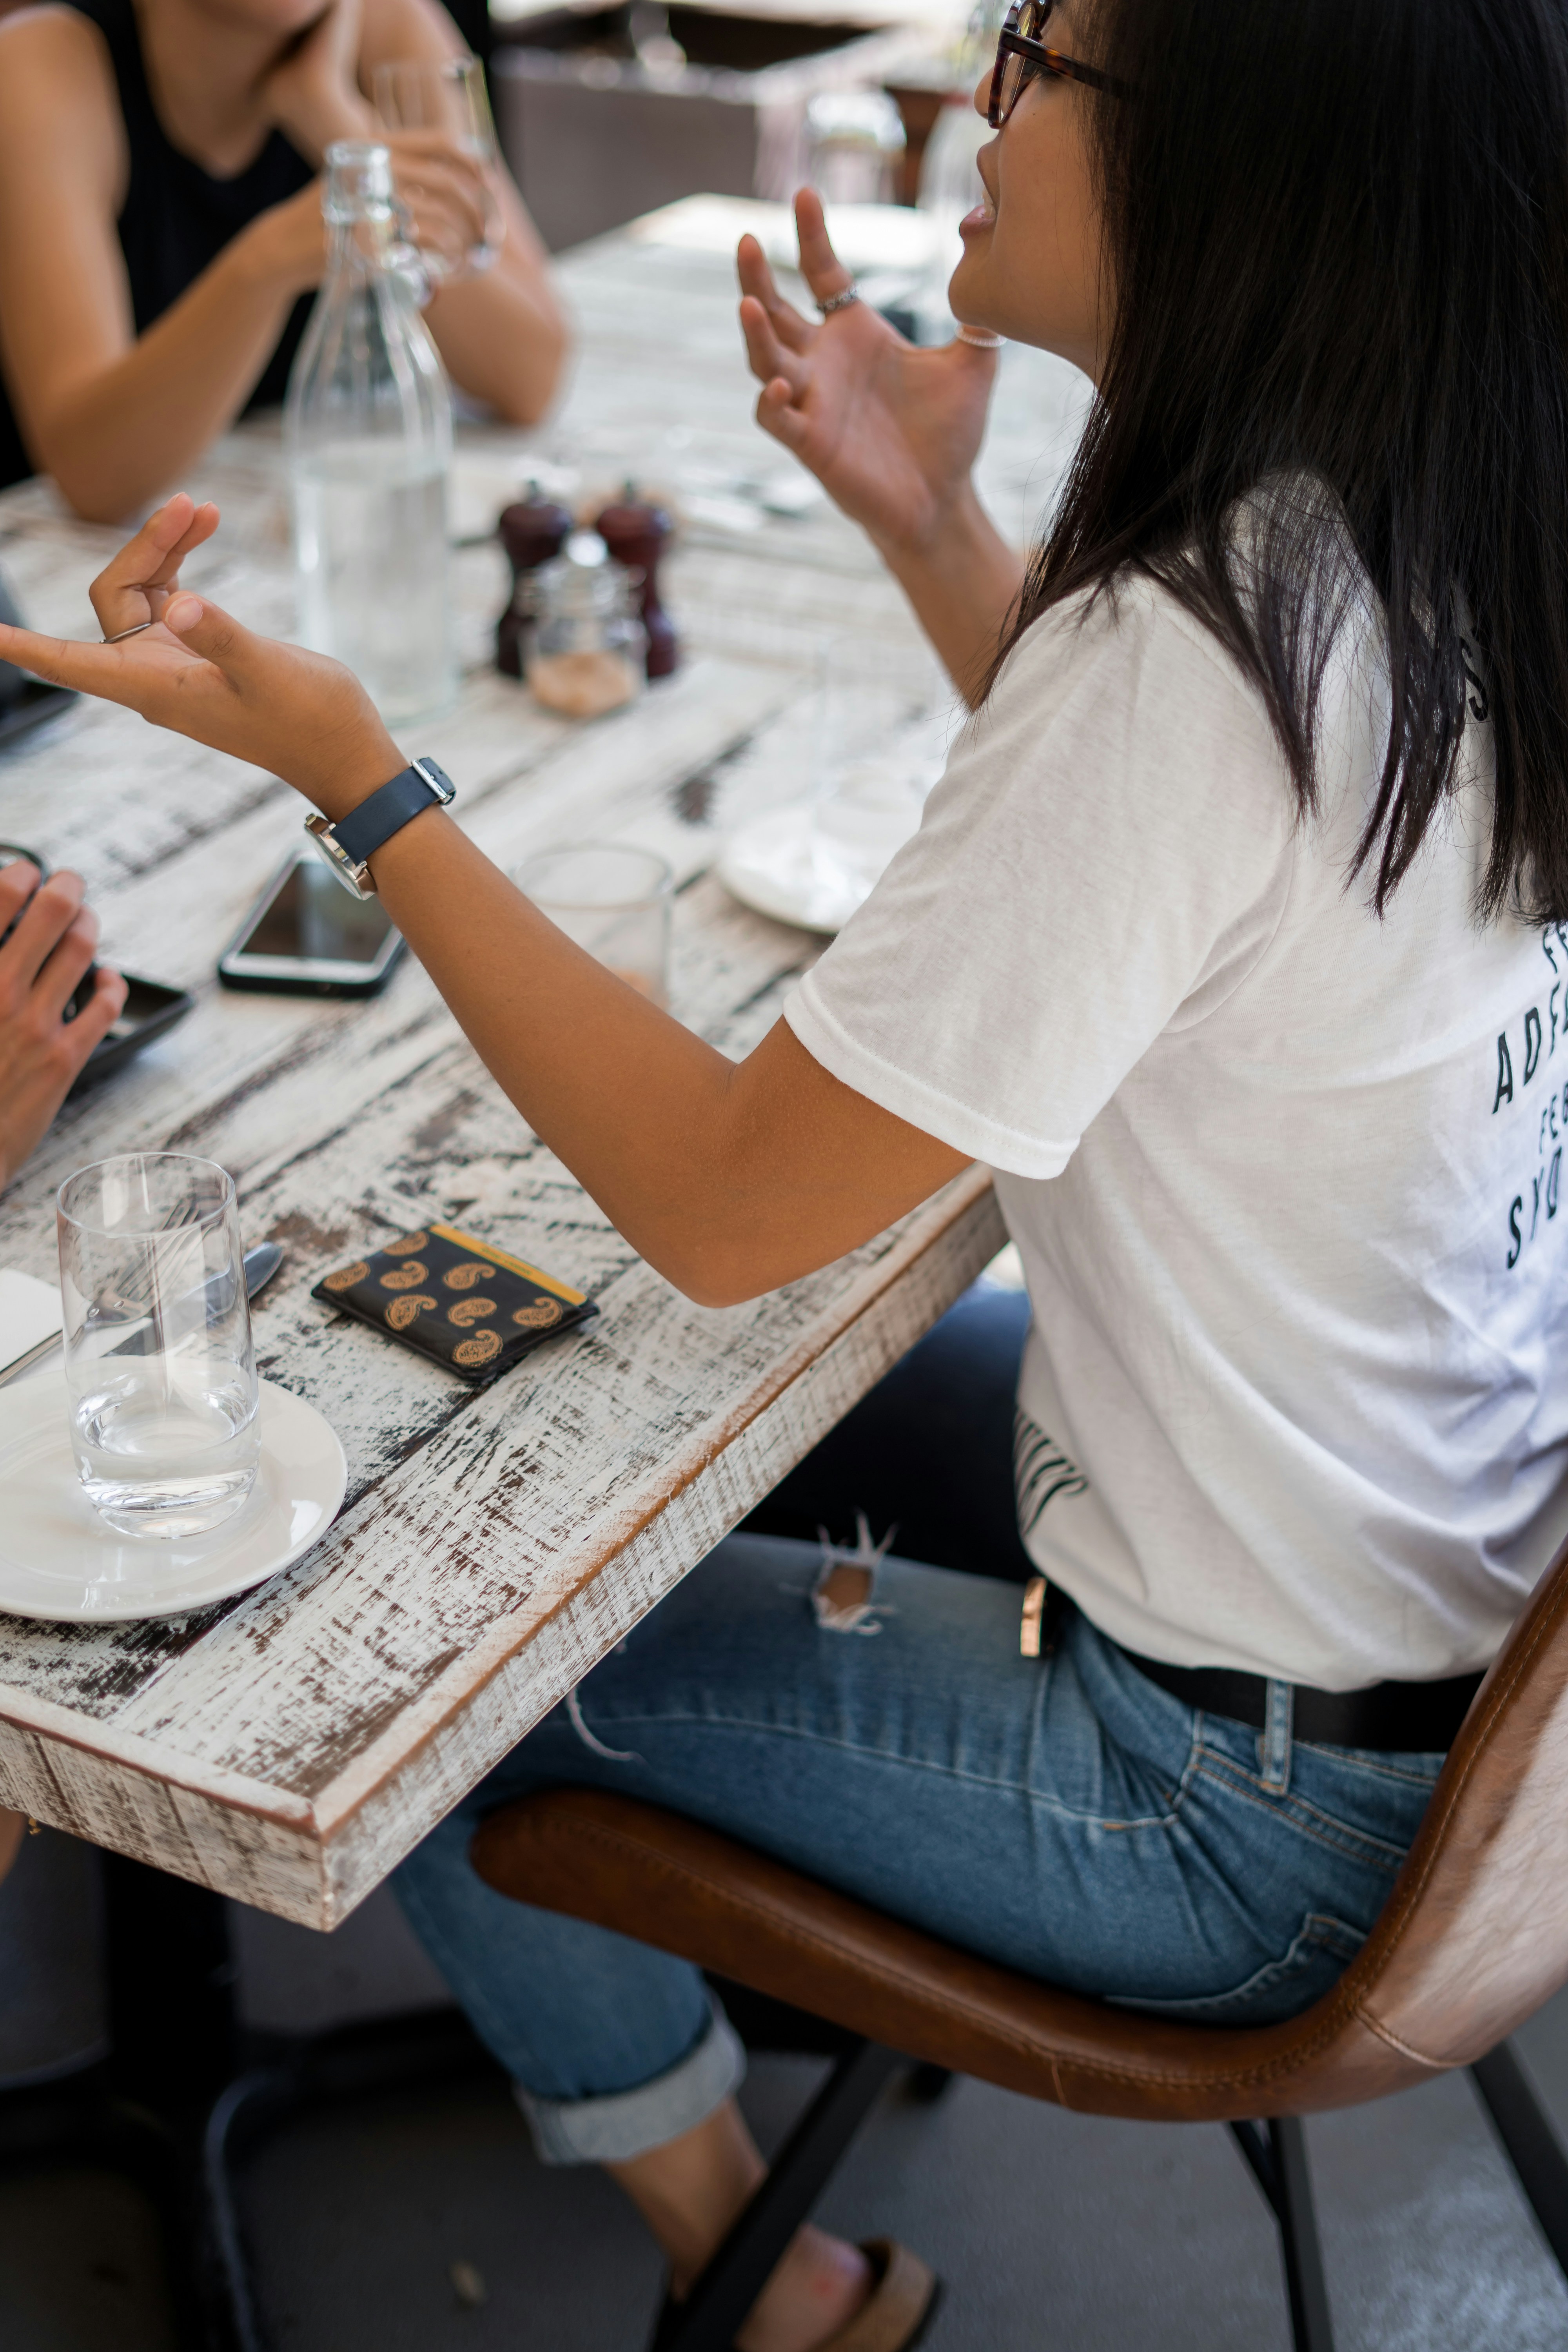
813 862
57 1560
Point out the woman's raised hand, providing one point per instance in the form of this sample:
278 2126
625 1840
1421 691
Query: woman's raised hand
890 431
197 672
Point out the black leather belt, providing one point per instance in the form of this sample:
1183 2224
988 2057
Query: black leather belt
1421 1717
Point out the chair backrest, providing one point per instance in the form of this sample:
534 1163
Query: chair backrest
1474 1936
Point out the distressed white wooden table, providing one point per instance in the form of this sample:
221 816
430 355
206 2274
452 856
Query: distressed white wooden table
289 1747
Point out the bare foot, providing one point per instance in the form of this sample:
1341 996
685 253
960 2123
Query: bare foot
817 2289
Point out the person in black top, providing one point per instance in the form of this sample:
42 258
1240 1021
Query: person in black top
161 228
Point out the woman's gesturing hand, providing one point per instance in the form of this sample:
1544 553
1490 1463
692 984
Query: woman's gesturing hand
198 672
890 431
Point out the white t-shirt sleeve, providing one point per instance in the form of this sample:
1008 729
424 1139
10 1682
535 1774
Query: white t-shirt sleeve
1107 857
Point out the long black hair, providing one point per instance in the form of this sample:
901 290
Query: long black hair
1337 236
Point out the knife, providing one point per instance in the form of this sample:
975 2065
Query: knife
260 1264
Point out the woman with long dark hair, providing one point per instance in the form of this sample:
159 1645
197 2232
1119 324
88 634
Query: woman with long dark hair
1235 939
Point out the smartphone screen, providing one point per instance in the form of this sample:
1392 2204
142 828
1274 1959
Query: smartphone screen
308 932
313 919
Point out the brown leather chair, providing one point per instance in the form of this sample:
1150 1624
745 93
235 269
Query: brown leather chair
1474 1937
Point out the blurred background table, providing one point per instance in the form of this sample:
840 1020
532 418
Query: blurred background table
287 1748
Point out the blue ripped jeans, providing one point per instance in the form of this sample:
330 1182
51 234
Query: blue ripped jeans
1062 1815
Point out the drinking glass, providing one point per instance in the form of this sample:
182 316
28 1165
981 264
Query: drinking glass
158 1355
855 146
410 95
613 901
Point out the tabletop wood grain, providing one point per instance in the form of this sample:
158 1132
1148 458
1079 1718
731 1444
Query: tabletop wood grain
287 1747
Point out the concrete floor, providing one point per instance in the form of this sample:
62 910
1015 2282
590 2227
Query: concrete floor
1050 2230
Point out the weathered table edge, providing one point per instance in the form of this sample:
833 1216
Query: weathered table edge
315 1862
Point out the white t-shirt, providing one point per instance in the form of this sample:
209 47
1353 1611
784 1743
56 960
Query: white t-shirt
1285 1179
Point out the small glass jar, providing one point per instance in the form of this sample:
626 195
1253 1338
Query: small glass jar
588 652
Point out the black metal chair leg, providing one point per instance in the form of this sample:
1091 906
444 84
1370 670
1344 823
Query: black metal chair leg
719 2302
1276 2157
247 2106
1528 2142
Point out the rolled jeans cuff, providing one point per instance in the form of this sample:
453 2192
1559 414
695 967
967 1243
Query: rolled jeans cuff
614 2129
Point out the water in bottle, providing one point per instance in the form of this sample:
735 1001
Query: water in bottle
368 430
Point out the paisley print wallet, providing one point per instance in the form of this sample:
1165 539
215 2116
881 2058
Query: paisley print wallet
470 1306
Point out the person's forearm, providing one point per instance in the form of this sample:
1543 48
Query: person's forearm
129 431
502 338
962 581
673 1140
649 1137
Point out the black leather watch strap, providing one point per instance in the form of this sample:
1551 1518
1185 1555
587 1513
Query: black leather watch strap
375 821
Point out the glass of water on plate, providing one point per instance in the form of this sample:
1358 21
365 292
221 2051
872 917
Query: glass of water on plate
158 1355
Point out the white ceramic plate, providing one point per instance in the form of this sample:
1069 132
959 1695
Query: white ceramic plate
57 1560
813 862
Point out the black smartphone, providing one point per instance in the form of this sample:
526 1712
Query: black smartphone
148 1009
25 702
307 936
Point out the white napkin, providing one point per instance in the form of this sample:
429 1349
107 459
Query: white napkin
30 1320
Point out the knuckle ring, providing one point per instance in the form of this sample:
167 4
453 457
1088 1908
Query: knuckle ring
978 340
851 294
120 635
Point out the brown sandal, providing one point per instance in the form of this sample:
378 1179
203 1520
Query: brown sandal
900 2305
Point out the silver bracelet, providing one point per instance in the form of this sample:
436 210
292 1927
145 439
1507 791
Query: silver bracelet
119 637
978 340
839 301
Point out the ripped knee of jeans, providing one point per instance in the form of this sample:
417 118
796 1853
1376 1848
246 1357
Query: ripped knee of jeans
843 1599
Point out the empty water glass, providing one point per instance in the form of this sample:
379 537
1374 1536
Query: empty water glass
613 901
412 95
158 1355
855 146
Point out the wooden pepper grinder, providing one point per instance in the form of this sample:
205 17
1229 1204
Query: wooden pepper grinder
635 535
531 532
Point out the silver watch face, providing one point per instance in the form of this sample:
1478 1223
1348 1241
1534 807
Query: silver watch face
355 879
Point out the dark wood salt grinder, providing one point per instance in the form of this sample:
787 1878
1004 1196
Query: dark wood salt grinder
635 535
531 532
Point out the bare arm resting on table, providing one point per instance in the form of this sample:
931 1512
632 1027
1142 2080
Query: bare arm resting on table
115 415
729 1178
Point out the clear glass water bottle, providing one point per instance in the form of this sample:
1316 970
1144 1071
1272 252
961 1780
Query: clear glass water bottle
368 431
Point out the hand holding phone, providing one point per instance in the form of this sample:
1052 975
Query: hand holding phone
46 974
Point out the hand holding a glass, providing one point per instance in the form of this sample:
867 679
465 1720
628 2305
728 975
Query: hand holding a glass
437 121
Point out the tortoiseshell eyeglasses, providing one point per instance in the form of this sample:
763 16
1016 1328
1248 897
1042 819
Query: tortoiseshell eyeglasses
1021 56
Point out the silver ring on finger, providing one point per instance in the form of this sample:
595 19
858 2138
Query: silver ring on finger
839 301
120 635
